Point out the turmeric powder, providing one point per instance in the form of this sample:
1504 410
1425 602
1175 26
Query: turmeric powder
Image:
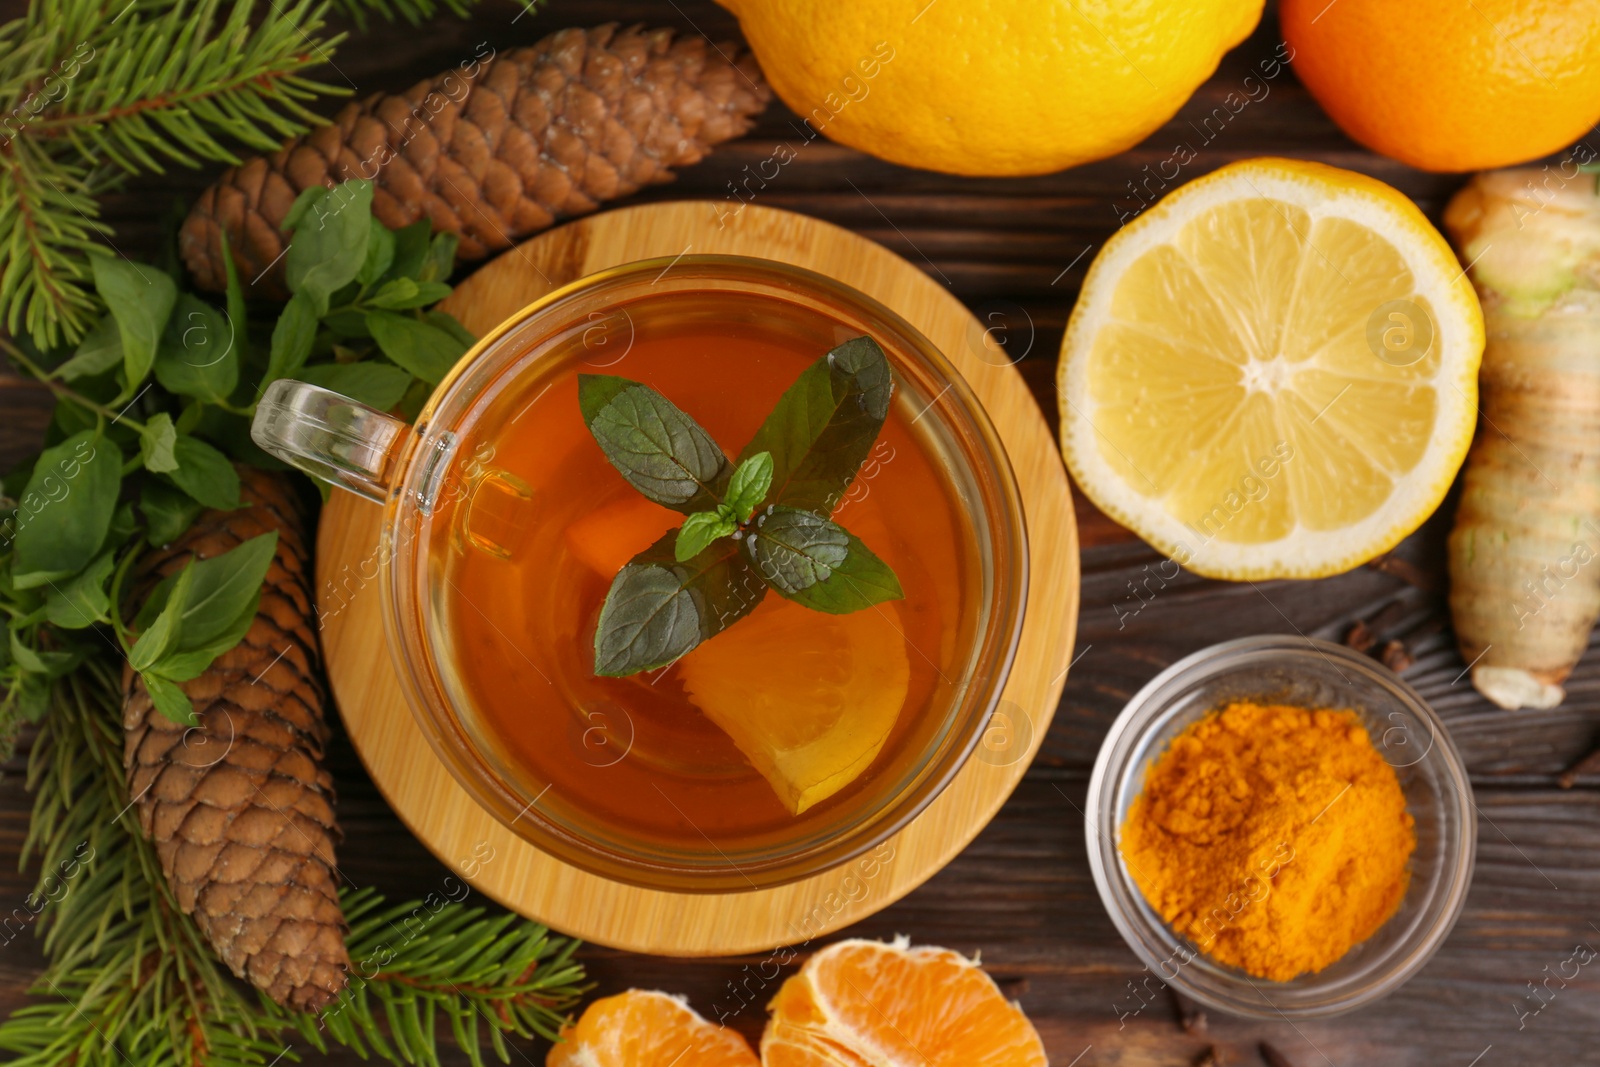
1273 837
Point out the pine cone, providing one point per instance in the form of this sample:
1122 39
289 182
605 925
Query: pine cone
496 150
240 808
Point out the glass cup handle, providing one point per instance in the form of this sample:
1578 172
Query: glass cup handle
331 436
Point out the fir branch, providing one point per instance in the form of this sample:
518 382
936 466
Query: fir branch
130 980
413 11
98 90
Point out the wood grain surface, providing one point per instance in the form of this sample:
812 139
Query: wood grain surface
1015 251
373 706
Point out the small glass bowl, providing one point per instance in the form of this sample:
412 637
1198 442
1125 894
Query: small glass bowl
1315 674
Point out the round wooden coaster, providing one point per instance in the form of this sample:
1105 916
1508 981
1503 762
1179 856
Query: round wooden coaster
508 869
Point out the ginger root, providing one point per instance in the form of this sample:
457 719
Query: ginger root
1525 550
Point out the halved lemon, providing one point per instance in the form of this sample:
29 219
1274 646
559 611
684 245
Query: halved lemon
808 698
1272 373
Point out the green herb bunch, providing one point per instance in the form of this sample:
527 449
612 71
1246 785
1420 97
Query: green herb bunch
153 406
759 523
130 979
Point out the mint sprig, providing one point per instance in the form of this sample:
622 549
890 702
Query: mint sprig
763 525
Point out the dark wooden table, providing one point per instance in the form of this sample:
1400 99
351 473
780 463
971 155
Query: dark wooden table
1015 251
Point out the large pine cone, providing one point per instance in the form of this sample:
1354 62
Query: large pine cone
240 807
496 150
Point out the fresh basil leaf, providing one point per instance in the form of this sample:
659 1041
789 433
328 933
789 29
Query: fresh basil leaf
237 316
169 699
98 352
825 424
181 666
205 474
81 601
220 589
661 451
447 322
749 484
199 353
403 293
156 443
380 252
858 581
410 249
441 258
168 512
658 609
698 531
33 696
161 633
49 664
377 385
329 247
796 549
426 351
292 338
140 298
123 524
66 509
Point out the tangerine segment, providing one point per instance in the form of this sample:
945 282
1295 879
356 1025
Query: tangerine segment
608 537
642 1028
808 698
870 1004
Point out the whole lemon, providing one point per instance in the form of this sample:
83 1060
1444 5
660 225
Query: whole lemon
1451 85
990 87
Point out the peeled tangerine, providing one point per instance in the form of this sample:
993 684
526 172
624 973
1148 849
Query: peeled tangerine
809 698
643 1028
868 1004
1273 373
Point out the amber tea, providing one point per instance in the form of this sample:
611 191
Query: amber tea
766 730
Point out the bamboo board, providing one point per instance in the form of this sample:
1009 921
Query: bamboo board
508 869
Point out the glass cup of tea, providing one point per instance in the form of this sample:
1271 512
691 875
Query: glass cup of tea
791 742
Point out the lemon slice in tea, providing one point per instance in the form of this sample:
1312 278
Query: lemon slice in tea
808 698
1273 372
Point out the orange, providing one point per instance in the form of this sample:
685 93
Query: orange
1452 85
647 1029
868 1004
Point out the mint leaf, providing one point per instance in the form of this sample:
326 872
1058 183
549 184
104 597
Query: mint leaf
819 564
169 699
698 531
658 608
205 474
796 549
140 298
825 424
425 350
410 249
199 353
65 510
858 581
332 228
168 512
375 384
98 352
81 601
749 484
661 451
156 442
